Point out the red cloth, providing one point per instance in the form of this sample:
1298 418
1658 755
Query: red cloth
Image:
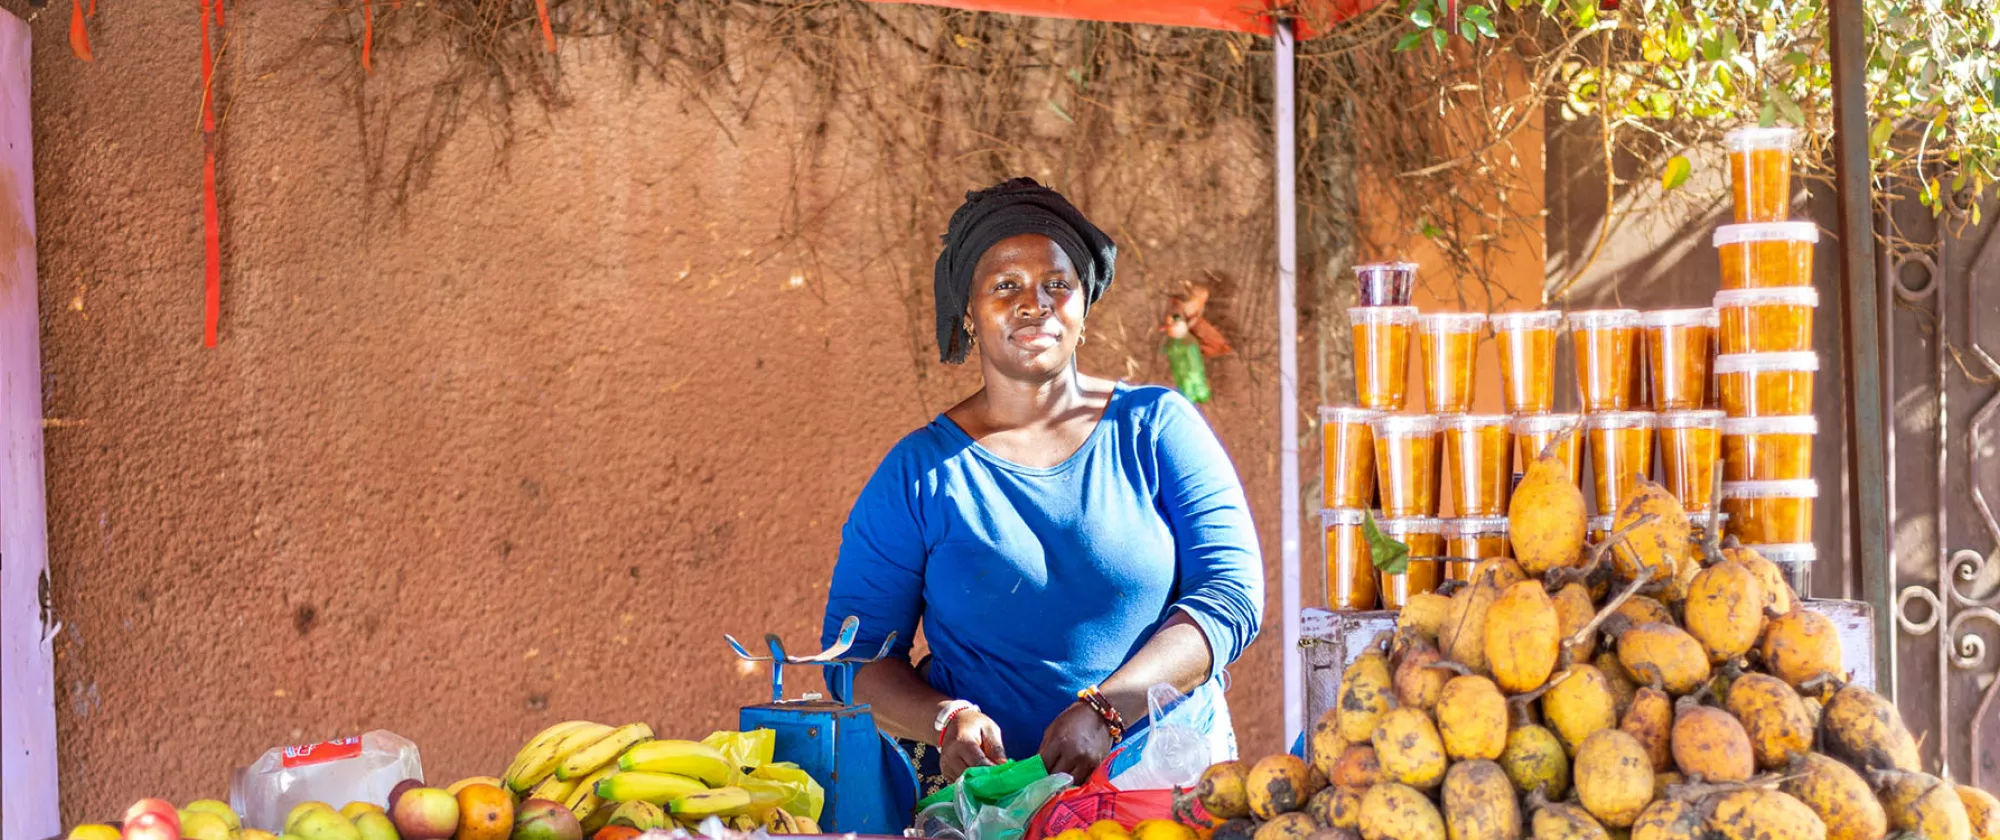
1253 16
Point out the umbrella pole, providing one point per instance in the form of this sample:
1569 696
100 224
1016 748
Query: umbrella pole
1288 372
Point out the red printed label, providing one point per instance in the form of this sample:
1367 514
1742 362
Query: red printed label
325 751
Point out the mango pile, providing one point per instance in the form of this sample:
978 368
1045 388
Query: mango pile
1659 685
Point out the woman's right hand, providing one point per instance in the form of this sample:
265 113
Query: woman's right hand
971 739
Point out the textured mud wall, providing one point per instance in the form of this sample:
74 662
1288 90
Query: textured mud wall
524 453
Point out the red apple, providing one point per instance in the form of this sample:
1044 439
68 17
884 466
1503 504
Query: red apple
151 825
165 809
397 792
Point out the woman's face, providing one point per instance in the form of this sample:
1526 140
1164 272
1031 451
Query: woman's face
1027 306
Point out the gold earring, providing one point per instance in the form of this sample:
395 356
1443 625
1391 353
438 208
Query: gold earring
1082 339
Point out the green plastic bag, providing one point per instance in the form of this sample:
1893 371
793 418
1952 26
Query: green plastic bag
991 785
1190 375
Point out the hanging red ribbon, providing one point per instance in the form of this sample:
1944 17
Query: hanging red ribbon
367 35
211 216
79 35
548 32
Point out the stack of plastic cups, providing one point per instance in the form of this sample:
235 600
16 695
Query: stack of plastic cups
1383 324
1408 469
1765 371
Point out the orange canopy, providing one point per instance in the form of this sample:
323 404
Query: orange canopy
1312 17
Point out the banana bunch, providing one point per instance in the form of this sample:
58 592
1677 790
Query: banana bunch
555 763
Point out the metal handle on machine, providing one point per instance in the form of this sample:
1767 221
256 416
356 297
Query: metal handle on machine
842 681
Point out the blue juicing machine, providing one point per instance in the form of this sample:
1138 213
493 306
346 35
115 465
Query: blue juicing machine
871 788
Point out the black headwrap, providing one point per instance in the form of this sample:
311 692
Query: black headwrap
1011 208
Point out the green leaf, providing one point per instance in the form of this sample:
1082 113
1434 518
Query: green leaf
1797 59
1486 27
1468 31
1438 38
1479 13
1676 173
1422 18
1431 231
1389 555
1767 115
1060 112
1885 129
1409 40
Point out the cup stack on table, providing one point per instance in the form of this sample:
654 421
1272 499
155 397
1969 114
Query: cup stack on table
1697 390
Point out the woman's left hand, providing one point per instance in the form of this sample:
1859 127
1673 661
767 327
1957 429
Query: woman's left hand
1076 742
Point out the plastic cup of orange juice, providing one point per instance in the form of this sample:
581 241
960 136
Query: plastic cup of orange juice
1770 511
1770 320
1621 452
1760 172
1449 345
1766 254
1406 464
1768 448
1700 522
1385 284
1690 447
1478 462
1606 344
1350 571
1680 348
1347 462
1766 384
1596 529
1534 432
1527 344
1794 561
1471 539
1382 354
1425 539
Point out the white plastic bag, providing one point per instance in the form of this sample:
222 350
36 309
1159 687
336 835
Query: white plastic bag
1172 751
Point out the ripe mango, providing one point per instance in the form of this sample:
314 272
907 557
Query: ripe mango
1761 814
1663 656
1640 609
1464 637
1523 637
1774 717
1326 743
1417 684
1623 689
1838 795
1650 720
1579 706
1656 547
1668 820
1278 784
1563 821
1982 810
1863 728
1391 811
1534 760
1922 803
1479 802
1801 646
1472 718
1613 778
1778 594
1410 750
1425 612
1292 826
1337 807
1546 516
1709 742
1365 694
1357 767
1221 790
1725 610
1574 612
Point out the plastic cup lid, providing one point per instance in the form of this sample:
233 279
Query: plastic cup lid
1799 424
1614 420
1409 525
1377 315
1474 422
1535 424
1475 526
1347 414
1366 268
1540 320
1803 360
1600 319
1598 523
1395 425
1451 322
1330 517
1703 317
1757 137
1795 488
1700 518
1771 296
1766 232
1795 553
1703 419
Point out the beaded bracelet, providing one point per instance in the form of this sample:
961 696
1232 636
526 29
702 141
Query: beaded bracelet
1095 699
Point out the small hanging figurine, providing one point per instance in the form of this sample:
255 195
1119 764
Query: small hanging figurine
1190 339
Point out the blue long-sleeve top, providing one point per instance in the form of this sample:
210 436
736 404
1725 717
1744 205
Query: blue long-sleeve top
1034 583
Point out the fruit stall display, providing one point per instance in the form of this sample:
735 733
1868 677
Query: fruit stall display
573 780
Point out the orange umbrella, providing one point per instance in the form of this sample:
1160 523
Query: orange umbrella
1310 17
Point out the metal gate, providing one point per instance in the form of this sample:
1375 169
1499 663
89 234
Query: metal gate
1940 277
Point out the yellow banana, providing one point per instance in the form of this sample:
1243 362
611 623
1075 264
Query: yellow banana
684 758
542 763
639 814
606 750
719 802
541 739
598 818
807 825
462 784
584 799
781 821
551 789
641 786
743 822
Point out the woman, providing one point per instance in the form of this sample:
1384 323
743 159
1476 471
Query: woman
1065 541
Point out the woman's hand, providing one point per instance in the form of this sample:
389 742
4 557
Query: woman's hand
1076 742
971 739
